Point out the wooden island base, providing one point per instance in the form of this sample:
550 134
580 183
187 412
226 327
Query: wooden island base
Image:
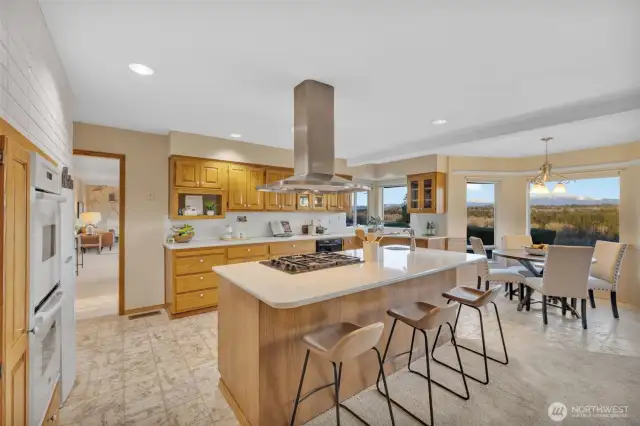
261 353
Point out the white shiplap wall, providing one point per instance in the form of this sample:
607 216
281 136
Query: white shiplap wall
35 95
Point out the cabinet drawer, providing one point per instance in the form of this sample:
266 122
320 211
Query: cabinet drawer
247 251
188 283
394 241
247 259
199 252
196 300
351 243
198 264
293 247
422 243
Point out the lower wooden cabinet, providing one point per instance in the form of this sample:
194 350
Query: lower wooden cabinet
351 243
293 247
52 418
197 300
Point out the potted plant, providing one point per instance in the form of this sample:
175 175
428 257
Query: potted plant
375 224
431 228
183 233
210 207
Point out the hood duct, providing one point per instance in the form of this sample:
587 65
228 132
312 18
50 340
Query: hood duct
313 147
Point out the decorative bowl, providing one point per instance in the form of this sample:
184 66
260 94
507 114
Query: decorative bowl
182 238
535 251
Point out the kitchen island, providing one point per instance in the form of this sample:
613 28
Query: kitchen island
264 312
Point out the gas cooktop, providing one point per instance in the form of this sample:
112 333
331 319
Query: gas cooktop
310 262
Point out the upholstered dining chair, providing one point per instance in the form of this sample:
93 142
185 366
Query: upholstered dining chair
486 274
516 242
497 271
566 275
606 271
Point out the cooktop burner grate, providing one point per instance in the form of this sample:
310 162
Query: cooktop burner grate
299 263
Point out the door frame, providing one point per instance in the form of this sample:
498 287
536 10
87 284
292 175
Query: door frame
121 238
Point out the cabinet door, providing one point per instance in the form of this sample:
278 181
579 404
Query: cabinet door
304 202
427 194
273 200
187 172
287 201
413 195
237 187
255 198
213 174
318 202
334 202
15 219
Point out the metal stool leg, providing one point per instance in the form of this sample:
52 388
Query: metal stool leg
461 371
304 371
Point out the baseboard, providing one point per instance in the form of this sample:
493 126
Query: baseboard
233 404
190 313
144 309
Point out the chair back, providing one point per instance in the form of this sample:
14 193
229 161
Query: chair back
356 343
566 271
608 260
483 265
478 246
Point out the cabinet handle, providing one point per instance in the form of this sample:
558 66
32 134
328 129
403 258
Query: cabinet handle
201 260
201 294
248 249
202 278
294 246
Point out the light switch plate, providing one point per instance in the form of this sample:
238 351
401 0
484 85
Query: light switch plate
151 196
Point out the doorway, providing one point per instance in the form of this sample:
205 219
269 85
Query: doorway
99 197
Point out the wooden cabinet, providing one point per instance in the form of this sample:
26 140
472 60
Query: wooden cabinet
189 282
179 201
395 241
351 243
200 173
293 247
275 201
426 193
318 202
253 250
242 187
304 202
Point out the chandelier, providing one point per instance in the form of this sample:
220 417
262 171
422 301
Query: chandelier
539 182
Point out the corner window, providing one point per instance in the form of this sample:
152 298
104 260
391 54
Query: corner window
394 206
359 212
576 214
481 211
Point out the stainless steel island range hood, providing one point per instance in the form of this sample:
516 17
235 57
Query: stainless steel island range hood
313 146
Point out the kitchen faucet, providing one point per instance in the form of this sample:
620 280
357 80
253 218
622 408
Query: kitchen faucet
412 234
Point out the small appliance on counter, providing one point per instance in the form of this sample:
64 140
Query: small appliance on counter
281 228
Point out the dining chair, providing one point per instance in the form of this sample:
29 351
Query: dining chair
509 277
496 268
606 271
566 275
516 242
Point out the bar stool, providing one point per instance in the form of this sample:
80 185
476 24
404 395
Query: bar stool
337 344
474 298
423 316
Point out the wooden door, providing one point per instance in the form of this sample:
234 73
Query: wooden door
214 174
273 200
255 198
237 187
413 194
427 194
187 172
15 223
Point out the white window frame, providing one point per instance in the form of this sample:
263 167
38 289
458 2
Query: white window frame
496 187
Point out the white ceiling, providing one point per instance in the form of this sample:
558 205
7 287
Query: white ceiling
96 170
502 73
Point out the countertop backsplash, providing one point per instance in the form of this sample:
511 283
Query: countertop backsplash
419 223
257 224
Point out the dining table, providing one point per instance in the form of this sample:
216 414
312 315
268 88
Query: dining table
529 261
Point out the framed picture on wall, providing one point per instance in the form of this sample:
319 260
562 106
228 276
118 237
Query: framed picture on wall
80 209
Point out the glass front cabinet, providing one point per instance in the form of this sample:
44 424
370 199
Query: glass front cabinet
426 193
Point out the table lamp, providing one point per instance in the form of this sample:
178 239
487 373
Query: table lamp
91 220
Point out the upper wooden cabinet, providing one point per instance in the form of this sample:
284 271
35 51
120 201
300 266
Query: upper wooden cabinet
242 187
426 193
275 201
340 202
312 202
200 173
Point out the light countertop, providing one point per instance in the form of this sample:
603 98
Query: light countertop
216 242
281 290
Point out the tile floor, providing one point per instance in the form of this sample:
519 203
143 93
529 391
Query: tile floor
153 371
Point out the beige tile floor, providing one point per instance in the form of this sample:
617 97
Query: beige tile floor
153 371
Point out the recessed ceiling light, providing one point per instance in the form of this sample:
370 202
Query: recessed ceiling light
141 69
235 135
439 122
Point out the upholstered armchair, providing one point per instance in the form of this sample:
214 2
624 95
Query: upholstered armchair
107 239
606 271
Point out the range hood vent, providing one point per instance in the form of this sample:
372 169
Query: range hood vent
313 148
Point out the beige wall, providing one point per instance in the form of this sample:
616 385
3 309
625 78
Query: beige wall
106 201
146 193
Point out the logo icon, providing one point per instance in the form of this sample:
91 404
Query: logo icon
557 411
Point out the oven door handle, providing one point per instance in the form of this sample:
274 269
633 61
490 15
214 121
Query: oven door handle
50 197
47 316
